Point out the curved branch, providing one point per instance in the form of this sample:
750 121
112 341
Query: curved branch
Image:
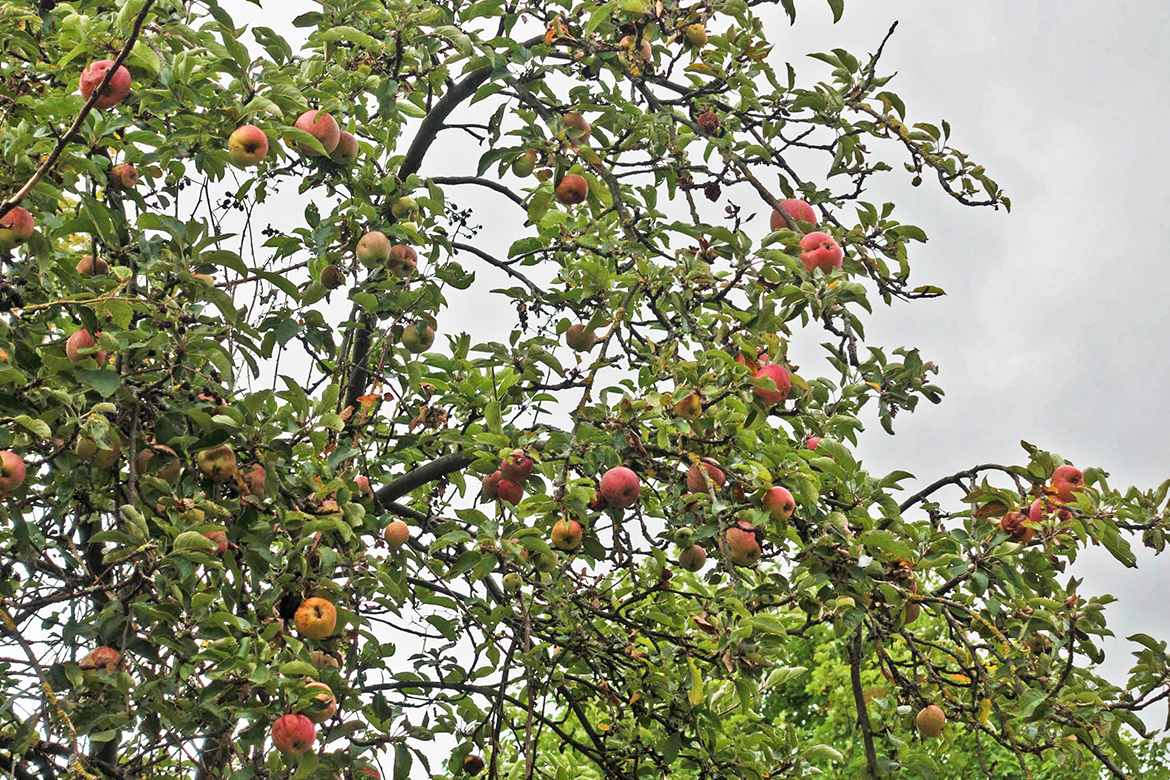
498 264
954 479
491 185
437 468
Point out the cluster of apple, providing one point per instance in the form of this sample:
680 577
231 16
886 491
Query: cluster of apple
505 484
771 374
817 248
248 145
295 732
1066 482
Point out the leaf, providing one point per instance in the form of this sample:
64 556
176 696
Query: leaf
695 696
822 752
838 7
402 762
106 382
885 542
39 427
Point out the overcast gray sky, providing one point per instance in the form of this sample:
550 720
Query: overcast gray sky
1053 327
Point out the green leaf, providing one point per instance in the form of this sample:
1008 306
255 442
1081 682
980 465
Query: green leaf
891 547
39 427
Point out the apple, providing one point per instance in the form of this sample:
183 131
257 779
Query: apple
396 534
742 546
576 127
217 464
689 408
373 249
346 151
123 176
572 189
82 340
293 734
930 720
708 123
1066 481
820 250
692 558
315 618
405 209
254 481
402 260
372 772
1041 507
695 35
16 227
88 266
1013 524
780 377
578 339
620 487
472 764
517 466
566 535
325 703
247 146
363 483
779 503
509 491
101 657
416 341
525 164
12 472
220 539
331 277
812 441
322 127
798 209
114 93
87 448
512 582
491 485
323 660
697 482
170 469
633 53
911 612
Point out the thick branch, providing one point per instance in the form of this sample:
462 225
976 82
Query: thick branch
954 479
437 468
859 699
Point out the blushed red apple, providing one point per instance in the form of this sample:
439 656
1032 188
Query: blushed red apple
247 146
16 227
1066 482
780 377
321 126
114 93
820 250
742 546
12 472
572 189
566 535
373 249
620 487
697 483
779 503
293 734
798 209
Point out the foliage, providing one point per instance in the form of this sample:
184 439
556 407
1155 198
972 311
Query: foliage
605 661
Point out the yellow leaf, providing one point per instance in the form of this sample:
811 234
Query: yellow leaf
695 697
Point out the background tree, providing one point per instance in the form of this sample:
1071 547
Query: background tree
240 461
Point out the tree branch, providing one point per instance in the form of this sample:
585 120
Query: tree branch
859 699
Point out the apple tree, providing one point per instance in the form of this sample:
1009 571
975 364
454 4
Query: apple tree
277 504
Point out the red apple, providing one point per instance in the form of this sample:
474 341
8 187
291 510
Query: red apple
578 339
697 483
322 127
220 539
572 189
363 483
315 618
692 558
293 734
566 535
328 703
799 210
82 340
517 466
510 491
742 546
1066 482
247 146
633 53
812 441
620 487
346 151
396 534
820 250
402 261
12 472
123 176
780 377
1013 524
491 485
779 503
254 480
114 93
16 227
373 249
